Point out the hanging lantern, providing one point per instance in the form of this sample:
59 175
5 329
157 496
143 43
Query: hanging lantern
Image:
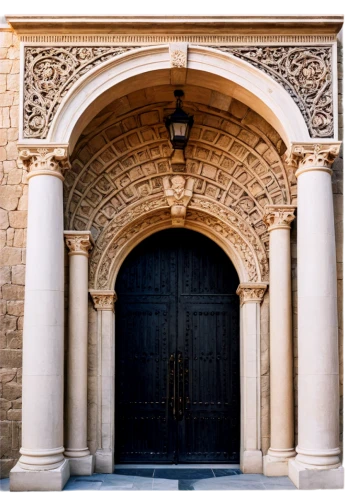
179 124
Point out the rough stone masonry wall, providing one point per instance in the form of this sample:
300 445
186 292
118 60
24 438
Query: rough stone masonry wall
13 220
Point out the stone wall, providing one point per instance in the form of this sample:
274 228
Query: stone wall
13 219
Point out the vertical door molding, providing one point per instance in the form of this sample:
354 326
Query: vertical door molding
104 304
251 295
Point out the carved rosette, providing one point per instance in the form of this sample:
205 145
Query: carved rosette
78 242
278 216
103 300
306 157
251 292
49 160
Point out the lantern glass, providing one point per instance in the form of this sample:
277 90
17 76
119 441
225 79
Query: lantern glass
179 125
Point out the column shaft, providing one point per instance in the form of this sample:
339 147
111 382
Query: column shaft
76 436
278 219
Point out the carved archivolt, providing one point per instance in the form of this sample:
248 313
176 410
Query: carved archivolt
148 216
306 74
50 72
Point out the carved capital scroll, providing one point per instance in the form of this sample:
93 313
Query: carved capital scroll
103 300
278 216
251 292
49 160
312 156
79 242
178 192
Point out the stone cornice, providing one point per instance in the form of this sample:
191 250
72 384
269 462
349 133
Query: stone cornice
251 292
278 216
103 300
49 159
306 157
78 242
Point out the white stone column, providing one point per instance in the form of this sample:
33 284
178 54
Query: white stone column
317 464
278 219
42 465
104 303
251 295
79 244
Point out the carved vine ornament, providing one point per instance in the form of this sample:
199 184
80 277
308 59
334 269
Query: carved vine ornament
304 72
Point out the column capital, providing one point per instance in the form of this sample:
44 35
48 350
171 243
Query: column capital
251 292
49 159
278 216
103 300
79 242
308 156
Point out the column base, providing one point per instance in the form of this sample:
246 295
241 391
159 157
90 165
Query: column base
44 480
275 466
315 479
104 462
83 466
251 462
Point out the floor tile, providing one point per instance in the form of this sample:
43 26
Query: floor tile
135 472
80 484
186 484
165 484
226 472
183 473
5 484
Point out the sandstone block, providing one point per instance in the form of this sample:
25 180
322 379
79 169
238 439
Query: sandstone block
15 307
11 150
2 154
13 53
6 99
17 405
15 176
5 66
23 202
12 391
9 165
18 219
10 256
9 196
13 292
14 415
7 375
15 67
2 238
20 323
6 466
5 39
13 82
14 340
4 219
14 116
13 134
3 137
7 323
10 233
18 275
19 238
5 428
5 404
2 306
2 84
5 114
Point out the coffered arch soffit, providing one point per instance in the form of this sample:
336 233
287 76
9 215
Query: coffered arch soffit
233 157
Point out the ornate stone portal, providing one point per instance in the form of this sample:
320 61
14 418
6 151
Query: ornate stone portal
94 143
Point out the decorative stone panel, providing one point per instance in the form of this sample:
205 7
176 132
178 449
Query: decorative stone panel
305 72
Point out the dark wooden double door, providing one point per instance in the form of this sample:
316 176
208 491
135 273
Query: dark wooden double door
177 386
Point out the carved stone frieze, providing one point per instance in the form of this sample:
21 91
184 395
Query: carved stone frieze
78 242
49 74
42 161
306 74
311 155
278 216
178 192
103 299
251 292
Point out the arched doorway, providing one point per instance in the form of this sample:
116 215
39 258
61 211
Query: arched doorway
177 385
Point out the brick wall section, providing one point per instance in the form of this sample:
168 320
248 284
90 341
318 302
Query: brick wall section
13 220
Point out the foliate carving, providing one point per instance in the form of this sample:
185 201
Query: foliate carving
178 192
79 243
50 72
103 299
49 160
278 216
312 155
178 59
251 292
306 74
